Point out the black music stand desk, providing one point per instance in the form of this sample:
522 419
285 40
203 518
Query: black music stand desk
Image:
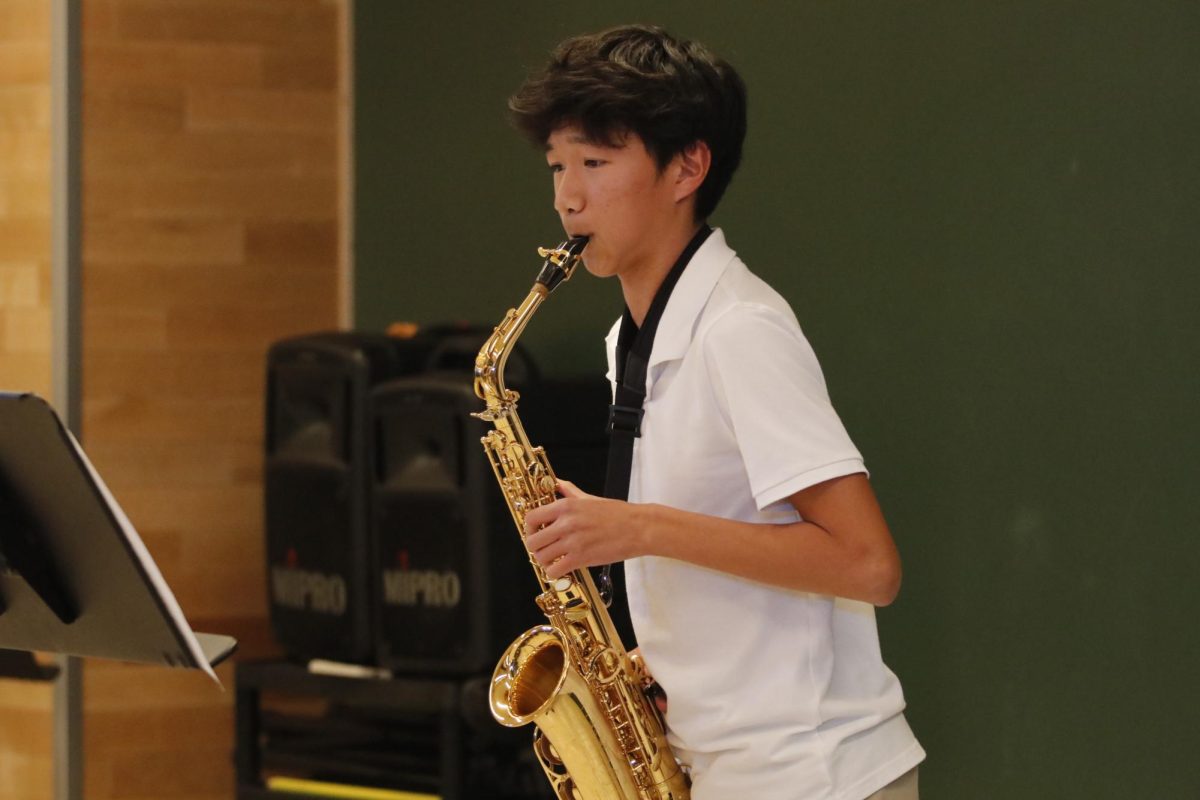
75 577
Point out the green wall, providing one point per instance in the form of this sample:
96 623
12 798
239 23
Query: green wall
986 216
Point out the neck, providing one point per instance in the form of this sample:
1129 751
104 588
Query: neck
640 286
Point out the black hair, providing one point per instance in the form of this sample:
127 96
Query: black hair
639 79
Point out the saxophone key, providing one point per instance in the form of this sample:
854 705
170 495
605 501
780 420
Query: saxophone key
605 665
549 603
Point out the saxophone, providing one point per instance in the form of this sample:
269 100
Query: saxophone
597 735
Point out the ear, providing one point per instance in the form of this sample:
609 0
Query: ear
691 169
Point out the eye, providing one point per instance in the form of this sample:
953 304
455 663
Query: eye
592 162
555 167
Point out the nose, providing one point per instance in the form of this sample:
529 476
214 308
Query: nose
568 194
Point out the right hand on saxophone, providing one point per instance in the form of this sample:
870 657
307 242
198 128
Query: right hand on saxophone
582 530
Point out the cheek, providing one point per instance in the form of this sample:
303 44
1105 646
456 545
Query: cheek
640 202
624 211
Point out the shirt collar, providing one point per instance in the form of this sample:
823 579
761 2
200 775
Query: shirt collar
687 300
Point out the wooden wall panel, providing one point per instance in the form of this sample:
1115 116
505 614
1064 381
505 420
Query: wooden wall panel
25 332
212 227
25 740
25 196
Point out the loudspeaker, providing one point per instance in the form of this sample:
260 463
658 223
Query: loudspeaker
453 584
316 475
316 489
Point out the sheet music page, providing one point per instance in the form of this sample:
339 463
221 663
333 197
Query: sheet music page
147 563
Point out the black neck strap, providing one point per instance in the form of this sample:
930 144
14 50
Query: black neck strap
634 346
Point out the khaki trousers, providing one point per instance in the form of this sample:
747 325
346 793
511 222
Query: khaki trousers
903 788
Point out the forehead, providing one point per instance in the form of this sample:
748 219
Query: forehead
573 135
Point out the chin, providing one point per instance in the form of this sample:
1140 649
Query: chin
596 267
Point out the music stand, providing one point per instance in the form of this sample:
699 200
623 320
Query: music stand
75 577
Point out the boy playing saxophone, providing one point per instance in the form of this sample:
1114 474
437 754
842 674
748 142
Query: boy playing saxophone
754 547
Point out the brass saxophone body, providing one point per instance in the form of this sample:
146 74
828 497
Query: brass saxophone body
597 735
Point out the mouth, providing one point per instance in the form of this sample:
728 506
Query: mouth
578 242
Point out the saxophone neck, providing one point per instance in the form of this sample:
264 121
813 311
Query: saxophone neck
489 364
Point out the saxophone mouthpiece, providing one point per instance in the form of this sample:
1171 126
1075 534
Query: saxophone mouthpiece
560 262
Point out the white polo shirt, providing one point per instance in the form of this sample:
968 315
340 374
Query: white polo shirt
772 694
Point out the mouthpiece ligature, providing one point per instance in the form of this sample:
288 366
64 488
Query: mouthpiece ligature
560 262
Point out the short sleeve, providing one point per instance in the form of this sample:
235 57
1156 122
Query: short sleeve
769 387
